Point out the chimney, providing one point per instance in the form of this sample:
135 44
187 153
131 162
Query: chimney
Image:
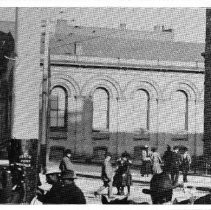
123 26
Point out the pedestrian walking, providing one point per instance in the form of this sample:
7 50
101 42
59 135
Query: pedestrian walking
123 177
106 176
167 158
185 164
146 162
156 162
69 193
176 160
66 163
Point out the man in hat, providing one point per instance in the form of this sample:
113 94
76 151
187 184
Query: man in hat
66 163
167 157
107 176
52 178
161 189
69 193
176 160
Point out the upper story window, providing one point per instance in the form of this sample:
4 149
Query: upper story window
141 110
58 103
179 110
100 110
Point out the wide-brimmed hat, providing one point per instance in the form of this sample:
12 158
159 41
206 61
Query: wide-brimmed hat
52 171
160 183
69 174
125 154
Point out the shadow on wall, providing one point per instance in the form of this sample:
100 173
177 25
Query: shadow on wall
90 145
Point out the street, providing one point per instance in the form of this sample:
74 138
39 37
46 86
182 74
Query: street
89 181
89 185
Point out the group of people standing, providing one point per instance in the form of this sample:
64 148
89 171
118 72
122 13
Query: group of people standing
120 179
171 163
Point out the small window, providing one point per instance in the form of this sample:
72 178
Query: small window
56 153
99 153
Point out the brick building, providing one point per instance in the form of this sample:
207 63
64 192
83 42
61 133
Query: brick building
118 89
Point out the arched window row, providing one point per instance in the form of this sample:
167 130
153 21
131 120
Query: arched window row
101 109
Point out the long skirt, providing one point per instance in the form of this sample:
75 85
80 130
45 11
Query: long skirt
122 180
146 168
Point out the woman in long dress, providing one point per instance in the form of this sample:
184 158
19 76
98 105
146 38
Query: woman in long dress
156 162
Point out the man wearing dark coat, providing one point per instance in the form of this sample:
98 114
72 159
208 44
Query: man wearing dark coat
176 160
52 196
69 193
167 158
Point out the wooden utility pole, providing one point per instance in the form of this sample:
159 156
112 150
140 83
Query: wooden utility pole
45 99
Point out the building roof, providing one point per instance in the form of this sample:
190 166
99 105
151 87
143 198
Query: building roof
117 43
128 49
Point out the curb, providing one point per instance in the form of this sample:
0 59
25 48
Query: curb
99 177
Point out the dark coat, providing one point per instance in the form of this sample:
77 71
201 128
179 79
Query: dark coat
71 194
167 158
123 176
175 162
51 197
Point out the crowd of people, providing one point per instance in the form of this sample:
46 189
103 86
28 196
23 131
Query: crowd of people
171 163
165 173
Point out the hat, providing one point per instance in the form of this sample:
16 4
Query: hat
67 151
108 154
146 146
69 174
175 147
125 154
52 171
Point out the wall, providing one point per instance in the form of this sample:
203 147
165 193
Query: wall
81 83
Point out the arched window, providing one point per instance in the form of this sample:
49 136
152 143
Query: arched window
100 109
179 110
141 110
58 107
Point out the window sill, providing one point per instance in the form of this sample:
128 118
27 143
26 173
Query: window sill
57 129
102 135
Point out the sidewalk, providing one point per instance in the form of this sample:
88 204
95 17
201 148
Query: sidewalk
94 171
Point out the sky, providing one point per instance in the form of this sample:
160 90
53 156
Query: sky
188 23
